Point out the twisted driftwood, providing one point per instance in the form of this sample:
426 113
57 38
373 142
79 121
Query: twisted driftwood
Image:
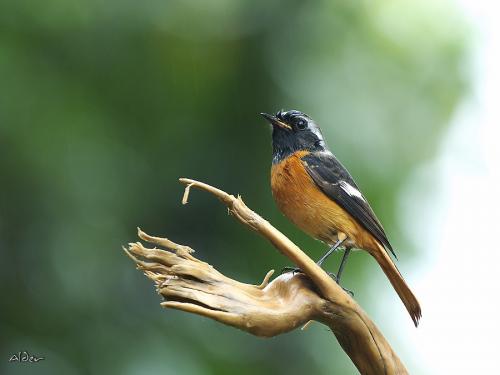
271 308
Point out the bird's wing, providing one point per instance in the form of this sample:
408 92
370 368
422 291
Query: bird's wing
336 182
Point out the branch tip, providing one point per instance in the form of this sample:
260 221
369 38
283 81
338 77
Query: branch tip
307 325
130 255
265 282
185 197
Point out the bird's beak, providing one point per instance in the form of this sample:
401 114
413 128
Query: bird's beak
275 121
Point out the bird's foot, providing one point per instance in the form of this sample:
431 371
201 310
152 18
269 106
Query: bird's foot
350 292
294 270
334 277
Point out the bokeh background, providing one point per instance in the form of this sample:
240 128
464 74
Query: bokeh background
104 105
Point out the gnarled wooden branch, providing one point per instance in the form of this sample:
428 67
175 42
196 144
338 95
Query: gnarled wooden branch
271 308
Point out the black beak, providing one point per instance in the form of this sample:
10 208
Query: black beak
275 121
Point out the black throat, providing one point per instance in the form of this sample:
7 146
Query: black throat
286 143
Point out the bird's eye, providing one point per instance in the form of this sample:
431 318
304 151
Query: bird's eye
301 124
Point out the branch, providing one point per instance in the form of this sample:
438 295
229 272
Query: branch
271 308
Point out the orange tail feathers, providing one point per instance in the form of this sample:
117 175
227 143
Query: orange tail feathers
399 284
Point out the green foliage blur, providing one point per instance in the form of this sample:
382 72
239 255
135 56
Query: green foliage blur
105 104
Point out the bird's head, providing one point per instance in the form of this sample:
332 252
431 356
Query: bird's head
294 131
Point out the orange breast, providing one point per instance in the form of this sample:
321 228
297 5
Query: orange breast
299 198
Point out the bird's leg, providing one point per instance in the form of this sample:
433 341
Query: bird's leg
323 258
341 238
347 251
332 249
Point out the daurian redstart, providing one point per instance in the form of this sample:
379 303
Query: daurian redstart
314 190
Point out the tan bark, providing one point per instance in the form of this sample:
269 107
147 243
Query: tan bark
268 309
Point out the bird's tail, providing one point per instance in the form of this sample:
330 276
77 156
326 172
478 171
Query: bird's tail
399 284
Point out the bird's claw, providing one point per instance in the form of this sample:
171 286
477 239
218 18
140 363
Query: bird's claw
291 269
334 277
295 270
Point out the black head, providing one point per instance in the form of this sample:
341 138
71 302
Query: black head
294 131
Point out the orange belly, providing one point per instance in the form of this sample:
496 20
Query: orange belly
301 200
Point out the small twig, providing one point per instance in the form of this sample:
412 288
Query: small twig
185 197
264 282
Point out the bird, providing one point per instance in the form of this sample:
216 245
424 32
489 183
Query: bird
317 194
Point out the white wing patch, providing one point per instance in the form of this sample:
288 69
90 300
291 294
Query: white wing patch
351 190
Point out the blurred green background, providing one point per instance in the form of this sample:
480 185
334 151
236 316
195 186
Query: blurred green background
103 105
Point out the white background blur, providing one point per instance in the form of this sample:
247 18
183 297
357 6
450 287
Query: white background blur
457 275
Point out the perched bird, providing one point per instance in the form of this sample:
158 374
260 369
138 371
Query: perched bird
314 190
